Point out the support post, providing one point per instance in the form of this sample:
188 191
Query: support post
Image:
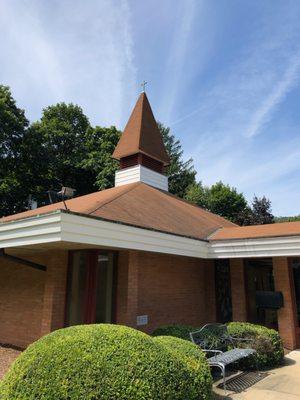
211 308
132 295
55 292
286 315
238 290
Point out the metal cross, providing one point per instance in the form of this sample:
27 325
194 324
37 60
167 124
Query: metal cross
143 84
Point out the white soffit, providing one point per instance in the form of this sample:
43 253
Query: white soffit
139 173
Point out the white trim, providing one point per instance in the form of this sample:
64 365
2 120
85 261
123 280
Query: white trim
78 229
260 247
139 173
64 227
41 229
60 227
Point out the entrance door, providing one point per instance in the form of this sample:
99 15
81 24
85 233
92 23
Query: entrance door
259 277
90 288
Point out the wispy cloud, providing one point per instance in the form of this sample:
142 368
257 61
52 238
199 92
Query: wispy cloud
177 55
69 51
230 131
281 88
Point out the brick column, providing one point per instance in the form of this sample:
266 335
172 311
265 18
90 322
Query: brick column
210 292
238 290
55 292
132 294
286 315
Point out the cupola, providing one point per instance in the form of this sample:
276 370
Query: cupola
141 151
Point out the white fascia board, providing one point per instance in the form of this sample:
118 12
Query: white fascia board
260 247
91 231
39 229
61 226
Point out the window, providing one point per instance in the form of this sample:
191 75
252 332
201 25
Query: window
90 290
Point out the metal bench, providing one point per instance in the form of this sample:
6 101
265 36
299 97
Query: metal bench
215 339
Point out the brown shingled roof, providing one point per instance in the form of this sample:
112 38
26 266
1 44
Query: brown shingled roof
258 231
141 134
140 205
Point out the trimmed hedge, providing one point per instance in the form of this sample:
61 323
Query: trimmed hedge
194 358
100 362
179 331
266 342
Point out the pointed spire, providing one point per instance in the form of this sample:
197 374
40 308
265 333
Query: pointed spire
141 135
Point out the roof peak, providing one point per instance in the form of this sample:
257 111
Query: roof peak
141 134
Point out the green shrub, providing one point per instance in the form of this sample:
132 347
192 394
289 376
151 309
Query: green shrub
265 341
195 360
99 362
179 331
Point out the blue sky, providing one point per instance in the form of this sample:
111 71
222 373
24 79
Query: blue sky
223 74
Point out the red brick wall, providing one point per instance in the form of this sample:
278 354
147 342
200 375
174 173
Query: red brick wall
32 302
55 292
169 289
286 315
21 303
122 288
238 290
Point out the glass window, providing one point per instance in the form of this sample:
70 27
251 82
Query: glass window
90 289
76 289
104 288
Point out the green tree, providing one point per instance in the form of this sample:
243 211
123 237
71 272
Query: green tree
181 173
13 125
226 201
61 132
68 151
287 219
99 145
198 194
221 199
261 211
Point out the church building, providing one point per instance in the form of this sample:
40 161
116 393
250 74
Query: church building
139 256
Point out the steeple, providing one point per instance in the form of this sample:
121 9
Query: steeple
141 147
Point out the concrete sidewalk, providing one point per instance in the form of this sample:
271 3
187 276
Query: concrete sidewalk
282 383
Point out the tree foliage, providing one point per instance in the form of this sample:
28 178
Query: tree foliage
99 146
287 219
220 199
181 173
261 211
13 124
224 200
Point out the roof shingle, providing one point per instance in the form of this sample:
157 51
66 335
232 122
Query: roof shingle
258 231
141 134
140 205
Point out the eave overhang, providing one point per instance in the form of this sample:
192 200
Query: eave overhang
62 226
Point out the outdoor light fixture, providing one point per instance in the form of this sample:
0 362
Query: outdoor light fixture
64 194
